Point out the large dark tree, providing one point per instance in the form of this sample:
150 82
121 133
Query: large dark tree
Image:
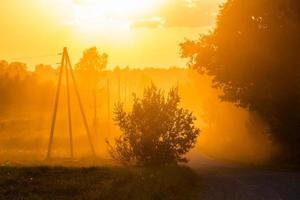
156 132
254 56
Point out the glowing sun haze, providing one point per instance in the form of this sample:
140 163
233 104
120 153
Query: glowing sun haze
138 33
115 8
97 16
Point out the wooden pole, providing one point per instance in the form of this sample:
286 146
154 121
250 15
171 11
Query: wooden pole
80 105
56 104
69 112
108 106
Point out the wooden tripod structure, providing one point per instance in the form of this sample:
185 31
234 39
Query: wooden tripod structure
66 65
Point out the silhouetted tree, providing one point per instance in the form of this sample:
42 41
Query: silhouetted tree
89 70
20 87
17 69
156 132
253 55
90 66
92 61
45 72
3 66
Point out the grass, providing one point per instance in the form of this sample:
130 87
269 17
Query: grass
170 182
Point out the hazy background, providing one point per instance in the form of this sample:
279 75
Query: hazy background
228 132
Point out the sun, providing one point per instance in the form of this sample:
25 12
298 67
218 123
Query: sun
96 13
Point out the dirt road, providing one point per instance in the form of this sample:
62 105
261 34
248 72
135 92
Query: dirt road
231 182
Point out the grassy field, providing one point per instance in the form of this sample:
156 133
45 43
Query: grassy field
171 182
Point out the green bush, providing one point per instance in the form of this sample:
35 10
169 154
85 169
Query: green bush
156 132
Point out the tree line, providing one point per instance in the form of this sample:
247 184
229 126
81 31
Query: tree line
253 56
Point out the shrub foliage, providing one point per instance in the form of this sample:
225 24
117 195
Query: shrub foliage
156 132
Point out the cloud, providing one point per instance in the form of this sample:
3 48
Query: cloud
154 22
189 13
182 13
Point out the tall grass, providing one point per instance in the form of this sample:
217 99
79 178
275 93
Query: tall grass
169 182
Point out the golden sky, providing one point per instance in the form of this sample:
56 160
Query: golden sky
137 33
